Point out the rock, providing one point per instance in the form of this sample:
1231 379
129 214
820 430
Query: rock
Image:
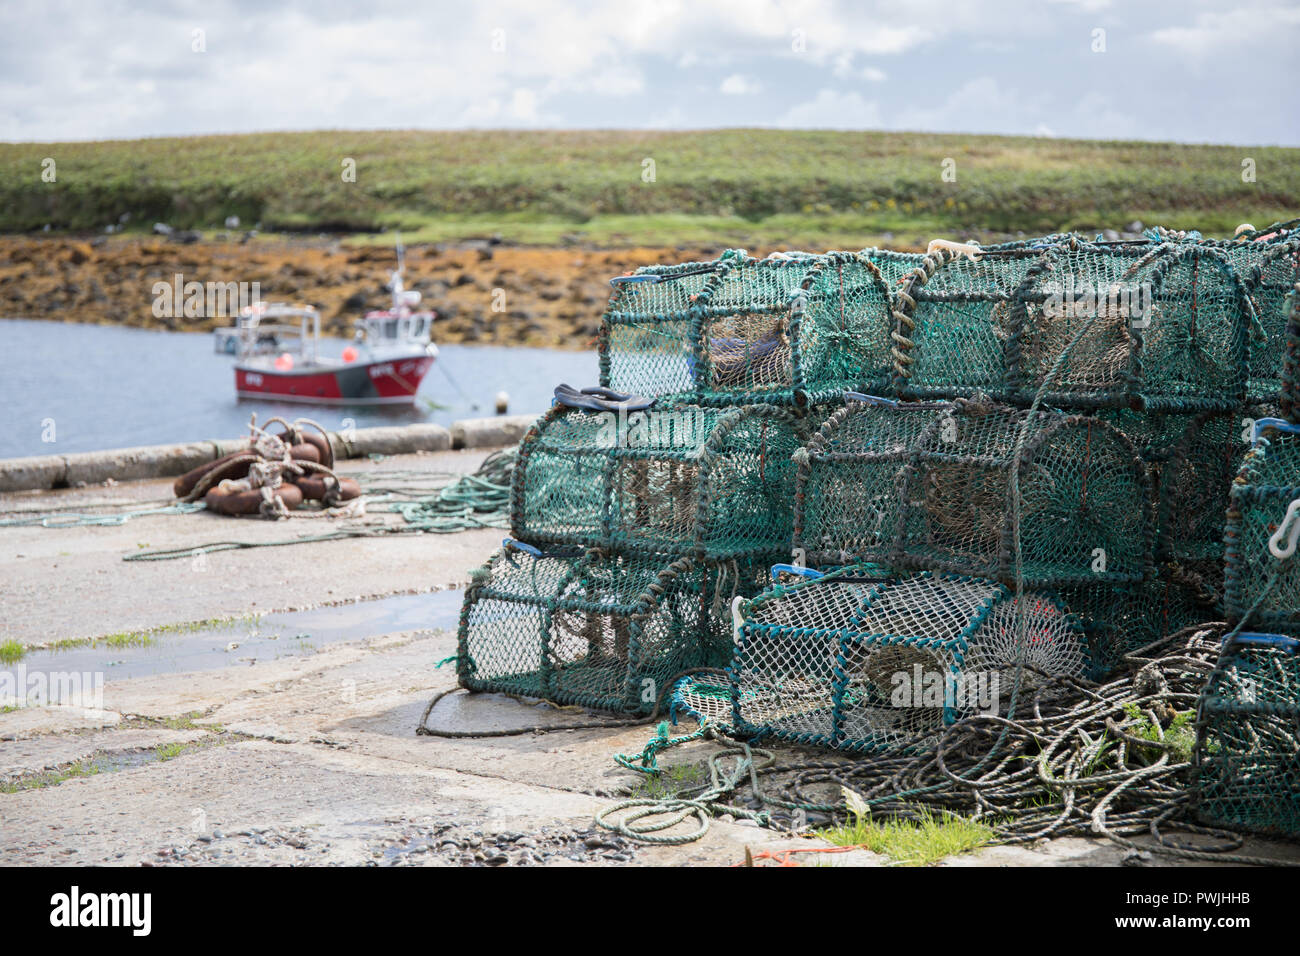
80 252
162 229
232 222
1135 226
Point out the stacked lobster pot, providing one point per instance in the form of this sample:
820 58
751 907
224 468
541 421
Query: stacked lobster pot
1248 727
1063 420
1173 340
643 507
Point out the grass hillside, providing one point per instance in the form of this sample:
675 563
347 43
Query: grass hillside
815 188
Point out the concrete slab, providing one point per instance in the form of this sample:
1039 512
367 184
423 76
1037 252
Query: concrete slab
72 582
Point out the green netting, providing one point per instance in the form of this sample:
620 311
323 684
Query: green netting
685 479
1270 269
607 632
1124 325
736 330
1259 587
1122 618
1248 741
1193 488
928 486
856 663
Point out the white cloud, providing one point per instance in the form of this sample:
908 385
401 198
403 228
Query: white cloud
739 85
831 109
72 70
1218 37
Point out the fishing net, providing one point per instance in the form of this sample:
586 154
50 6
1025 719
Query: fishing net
854 662
928 486
780 330
1248 740
607 632
1155 327
685 479
1262 578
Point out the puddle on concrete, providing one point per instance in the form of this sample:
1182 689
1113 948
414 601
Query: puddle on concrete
268 638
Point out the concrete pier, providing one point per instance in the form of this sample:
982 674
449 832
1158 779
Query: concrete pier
44 472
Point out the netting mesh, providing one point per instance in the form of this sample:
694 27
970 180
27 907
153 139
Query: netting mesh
1158 327
1260 587
1248 741
929 487
604 632
739 329
1270 271
670 480
1121 618
1193 483
855 663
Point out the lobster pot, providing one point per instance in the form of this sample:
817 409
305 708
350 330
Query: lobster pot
852 476
948 504
781 330
856 663
1248 741
952 323
669 480
1261 519
1089 326
609 633
1270 268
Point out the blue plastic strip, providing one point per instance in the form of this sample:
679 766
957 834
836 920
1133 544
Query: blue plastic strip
511 544
779 569
637 278
1280 424
1255 639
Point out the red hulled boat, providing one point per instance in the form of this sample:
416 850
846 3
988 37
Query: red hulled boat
277 354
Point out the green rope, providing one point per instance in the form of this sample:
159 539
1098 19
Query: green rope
645 818
77 519
477 500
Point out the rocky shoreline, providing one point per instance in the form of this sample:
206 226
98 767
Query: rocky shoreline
484 292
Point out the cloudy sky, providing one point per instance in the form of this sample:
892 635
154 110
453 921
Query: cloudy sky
1184 70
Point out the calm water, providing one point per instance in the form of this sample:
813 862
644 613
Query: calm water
107 387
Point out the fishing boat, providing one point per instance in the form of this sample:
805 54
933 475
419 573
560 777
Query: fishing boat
277 353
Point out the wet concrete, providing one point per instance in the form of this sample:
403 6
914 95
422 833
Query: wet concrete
252 640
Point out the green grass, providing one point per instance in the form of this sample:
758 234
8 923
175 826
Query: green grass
733 186
51 778
145 638
11 651
671 782
926 841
